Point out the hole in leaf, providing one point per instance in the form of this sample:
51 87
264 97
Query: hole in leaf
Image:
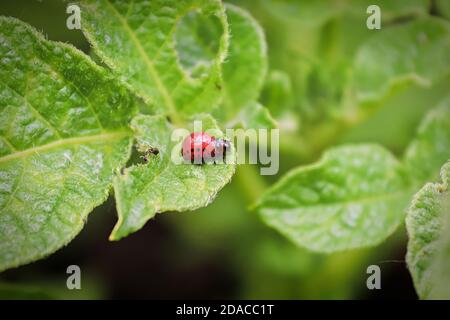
197 41
141 154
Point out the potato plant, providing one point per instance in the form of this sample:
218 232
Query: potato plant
364 120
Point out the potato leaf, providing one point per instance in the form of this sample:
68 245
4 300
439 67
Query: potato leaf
401 54
277 93
246 66
428 225
353 197
63 130
137 39
431 148
256 116
161 185
172 54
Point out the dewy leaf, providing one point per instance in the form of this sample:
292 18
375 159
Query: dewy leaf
353 197
431 148
63 130
137 39
428 225
246 66
400 54
161 185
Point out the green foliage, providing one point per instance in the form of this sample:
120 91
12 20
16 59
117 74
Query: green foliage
277 92
431 148
353 197
401 55
256 116
143 190
64 129
428 222
136 40
67 127
244 72
246 65
65 121
187 59
337 86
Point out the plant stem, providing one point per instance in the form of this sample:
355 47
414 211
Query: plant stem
250 182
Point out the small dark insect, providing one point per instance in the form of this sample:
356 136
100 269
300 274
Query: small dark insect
200 147
148 152
218 86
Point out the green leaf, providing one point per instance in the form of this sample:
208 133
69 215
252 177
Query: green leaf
246 66
63 130
137 40
428 225
257 117
277 92
394 121
196 42
353 197
400 55
431 147
161 185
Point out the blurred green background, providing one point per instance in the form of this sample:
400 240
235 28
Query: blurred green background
224 250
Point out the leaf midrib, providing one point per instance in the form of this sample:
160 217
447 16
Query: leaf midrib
65 142
148 62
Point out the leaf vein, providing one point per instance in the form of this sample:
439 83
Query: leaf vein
148 62
65 142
